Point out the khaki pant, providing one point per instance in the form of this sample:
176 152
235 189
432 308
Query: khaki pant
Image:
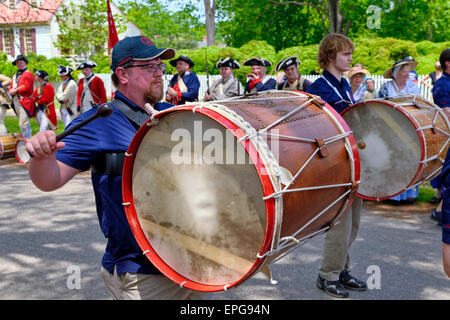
3 129
24 122
338 241
137 286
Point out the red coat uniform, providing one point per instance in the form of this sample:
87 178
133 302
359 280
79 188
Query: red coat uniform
44 96
98 91
24 85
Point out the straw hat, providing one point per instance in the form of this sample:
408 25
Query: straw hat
355 70
412 65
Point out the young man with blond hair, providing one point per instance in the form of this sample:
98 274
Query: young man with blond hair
335 57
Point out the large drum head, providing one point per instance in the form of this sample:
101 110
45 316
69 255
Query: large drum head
389 148
205 221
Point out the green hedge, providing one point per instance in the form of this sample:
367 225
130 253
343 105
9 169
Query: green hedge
375 54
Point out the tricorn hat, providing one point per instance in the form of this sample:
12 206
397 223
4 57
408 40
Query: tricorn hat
42 74
286 62
182 58
87 64
257 61
20 57
412 65
64 71
228 62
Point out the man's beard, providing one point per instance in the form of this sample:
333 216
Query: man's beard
153 94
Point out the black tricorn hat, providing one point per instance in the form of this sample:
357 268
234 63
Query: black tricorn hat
64 71
42 74
228 62
257 61
286 62
20 57
182 58
87 64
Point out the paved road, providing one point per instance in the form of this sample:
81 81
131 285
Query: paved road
48 239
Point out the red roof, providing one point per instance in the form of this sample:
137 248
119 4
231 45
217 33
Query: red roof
28 14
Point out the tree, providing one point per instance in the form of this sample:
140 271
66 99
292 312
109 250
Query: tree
333 20
85 32
180 29
210 13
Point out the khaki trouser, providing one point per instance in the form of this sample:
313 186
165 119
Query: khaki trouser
137 286
24 122
338 241
3 129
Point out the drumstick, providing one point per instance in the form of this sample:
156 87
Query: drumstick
201 248
103 111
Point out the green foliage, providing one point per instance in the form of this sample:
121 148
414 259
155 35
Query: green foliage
84 28
37 62
180 30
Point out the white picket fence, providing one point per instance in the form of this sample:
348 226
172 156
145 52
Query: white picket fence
379 80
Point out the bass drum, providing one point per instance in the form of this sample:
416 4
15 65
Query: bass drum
213 192
402 142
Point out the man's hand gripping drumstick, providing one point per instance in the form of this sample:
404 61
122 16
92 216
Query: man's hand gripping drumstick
45 171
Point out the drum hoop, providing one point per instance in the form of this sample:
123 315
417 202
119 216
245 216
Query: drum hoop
21 140
415 123
130 211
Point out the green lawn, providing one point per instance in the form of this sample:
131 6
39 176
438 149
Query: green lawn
12 124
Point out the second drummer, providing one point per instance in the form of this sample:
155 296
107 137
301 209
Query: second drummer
335 57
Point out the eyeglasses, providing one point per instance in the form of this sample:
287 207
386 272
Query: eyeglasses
151 67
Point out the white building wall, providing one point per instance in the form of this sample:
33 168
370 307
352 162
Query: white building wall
44 44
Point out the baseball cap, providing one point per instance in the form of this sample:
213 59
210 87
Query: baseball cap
137 48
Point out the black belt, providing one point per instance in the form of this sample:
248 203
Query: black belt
109 164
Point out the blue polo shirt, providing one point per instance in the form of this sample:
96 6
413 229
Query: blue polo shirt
445 176
337 94
441 91
103 135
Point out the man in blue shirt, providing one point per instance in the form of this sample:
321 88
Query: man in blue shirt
335 57
441 96
137 73
258 80
184 86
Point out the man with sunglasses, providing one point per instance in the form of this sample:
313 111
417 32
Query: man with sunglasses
137 74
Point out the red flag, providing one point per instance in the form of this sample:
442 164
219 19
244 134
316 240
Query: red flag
113 38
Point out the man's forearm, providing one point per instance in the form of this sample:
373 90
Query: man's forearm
49 174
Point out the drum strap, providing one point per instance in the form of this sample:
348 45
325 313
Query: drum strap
111 163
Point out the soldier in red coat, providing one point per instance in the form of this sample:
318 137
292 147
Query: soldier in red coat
21 90
91 89
44 95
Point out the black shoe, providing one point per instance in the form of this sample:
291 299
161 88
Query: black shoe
351 283
333 288
436 216
435 200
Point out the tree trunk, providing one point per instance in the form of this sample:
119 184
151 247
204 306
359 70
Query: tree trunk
210 12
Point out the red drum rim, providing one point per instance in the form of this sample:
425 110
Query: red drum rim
130 211
421 139
18 157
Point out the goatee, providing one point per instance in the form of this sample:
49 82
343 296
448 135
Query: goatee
154 93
